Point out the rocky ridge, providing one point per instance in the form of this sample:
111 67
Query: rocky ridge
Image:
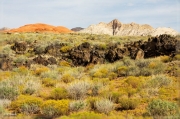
115 27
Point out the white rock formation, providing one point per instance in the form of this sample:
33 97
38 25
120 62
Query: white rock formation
117 28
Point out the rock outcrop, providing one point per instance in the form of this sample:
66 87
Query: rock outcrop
86 53
19 47
115 27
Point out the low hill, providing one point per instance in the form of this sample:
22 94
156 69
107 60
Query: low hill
39 27
76 29
115 27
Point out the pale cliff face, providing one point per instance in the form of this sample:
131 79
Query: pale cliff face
115 27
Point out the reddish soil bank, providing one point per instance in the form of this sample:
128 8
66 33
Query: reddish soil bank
39 27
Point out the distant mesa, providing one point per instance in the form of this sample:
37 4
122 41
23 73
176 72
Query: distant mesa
39 27
117 28
76 29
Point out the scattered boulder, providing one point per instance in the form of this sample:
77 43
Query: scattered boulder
40 60
140 54
44 61
51 60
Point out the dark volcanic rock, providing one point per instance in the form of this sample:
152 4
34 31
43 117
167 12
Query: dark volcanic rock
97 55
54 49
162 45
44 61
81 55
19 47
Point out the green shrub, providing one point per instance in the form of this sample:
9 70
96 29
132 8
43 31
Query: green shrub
27 104
103 46
115 96
91 102
40 48
101 81
77 105
165 59
122 71
2 110
21 59
145 72
128 104
59 93
101 73
158 68
128 61
50 74
135 82
53 108
67 78
133 71
22 70
104 106
96 86
141 63
65 49
8 91
78 89
159 81
112 75
159 108
7 50
177 57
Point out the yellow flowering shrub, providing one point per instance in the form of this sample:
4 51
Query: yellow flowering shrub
27 104
48 82
59 93
40 70
53 108
67 78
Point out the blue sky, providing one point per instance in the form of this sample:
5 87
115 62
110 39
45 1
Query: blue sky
73 13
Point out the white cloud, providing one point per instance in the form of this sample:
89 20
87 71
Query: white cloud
130 4
154 1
